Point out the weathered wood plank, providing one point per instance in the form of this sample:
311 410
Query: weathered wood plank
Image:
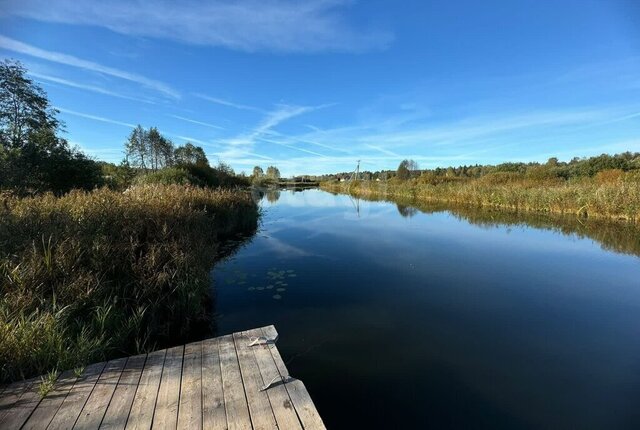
213 409
73 403
298 393
258 401
234 398
144 403
166 413
11 394
43 414
96 406
283 409
25 404
190 411
118 410
213 384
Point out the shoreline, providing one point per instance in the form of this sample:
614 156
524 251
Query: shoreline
580 200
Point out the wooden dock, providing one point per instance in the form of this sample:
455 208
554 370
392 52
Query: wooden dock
237 381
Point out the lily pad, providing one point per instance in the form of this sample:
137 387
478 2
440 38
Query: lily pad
281 289
277 296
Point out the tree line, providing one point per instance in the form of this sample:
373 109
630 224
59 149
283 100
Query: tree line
259 176
33 157
552 168
150 150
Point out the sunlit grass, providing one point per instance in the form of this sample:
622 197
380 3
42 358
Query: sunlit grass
607 195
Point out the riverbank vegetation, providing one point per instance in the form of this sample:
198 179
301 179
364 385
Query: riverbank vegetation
604 186
99 260
91 275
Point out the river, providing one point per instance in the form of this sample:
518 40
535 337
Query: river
402 317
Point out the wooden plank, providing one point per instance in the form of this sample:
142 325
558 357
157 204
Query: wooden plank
299 395
118 410
20 411
12 393
97 403
234 397
42 416
258 401
283 409
213 384
144 403
73 403
166 413
190 410
213 409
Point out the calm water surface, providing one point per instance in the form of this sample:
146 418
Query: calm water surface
395 318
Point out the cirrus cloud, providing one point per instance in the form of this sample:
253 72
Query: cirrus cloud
246 25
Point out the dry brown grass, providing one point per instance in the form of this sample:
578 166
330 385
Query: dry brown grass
608 195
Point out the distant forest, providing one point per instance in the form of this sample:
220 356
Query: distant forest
553 168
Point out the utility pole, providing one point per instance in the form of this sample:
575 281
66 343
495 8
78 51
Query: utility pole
356 173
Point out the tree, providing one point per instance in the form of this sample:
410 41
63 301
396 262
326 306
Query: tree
257 172
24 107
403 172
160 149
273 173
32 157
407 169
137 148
190 154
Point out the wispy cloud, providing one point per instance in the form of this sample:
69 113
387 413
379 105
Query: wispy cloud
92 88
70 60
233 154
227 103
193 140
193 121
384 151
271 120
95 117
249 25
275 142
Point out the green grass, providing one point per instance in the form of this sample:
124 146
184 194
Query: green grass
47 382
93 275
612 194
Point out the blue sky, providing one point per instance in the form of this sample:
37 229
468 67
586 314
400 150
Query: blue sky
313 86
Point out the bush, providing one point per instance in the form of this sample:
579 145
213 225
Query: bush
201 175
609 176
500 178
169 176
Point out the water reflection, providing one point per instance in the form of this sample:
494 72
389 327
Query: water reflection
619 236
445 316
406 211
273 195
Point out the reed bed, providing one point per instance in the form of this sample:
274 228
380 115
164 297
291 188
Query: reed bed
614 198
93 275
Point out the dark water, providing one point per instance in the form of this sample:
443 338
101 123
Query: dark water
399 318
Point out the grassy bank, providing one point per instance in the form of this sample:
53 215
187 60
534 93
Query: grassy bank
614 195
92 275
